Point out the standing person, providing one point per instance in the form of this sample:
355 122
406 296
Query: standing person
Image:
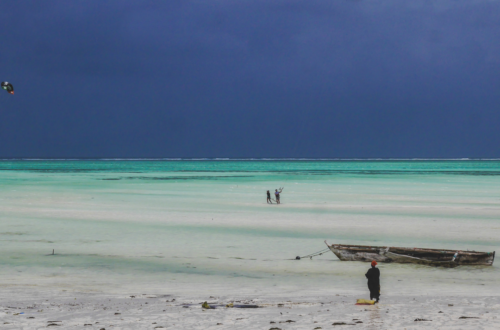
269 201
277 195
373 276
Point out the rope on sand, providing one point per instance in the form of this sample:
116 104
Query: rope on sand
313 254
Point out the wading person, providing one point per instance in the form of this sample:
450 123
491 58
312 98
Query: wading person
277 195
373 276
269 201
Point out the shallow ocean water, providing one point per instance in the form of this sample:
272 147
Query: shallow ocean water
203 226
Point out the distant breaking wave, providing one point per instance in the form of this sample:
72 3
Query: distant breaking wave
249 159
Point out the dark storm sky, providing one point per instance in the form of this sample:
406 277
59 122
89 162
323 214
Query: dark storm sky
260 78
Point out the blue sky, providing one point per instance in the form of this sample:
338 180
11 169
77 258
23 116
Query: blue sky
254 78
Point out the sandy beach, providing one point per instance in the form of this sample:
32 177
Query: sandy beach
27 309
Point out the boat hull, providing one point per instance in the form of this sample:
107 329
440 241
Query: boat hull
350 255
429 257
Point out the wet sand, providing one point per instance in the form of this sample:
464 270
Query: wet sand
28 309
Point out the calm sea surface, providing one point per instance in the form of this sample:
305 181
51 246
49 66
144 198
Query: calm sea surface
204 227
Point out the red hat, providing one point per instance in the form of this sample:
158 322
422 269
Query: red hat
374 263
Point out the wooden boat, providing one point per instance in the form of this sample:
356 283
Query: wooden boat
431 257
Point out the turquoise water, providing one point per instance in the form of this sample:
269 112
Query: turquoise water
203 226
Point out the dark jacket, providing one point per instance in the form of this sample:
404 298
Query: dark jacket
373 276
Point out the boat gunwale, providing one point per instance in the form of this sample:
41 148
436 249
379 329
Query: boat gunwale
449 262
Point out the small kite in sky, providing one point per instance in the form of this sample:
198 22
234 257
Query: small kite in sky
8 87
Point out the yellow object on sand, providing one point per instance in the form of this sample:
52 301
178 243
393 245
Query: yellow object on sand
365 302
230 305
205 305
